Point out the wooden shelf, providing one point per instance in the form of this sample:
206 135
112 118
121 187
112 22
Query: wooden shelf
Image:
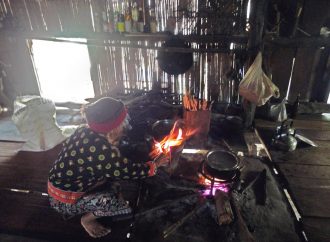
131 40
103 36
301 42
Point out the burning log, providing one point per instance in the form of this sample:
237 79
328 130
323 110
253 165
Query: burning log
172 144
223 208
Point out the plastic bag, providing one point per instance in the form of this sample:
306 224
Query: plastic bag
256 87
34 117
277 112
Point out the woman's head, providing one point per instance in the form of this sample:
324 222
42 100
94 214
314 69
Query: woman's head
107 116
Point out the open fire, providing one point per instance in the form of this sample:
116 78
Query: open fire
176 138
210 188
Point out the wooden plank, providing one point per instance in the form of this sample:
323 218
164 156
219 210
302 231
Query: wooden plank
303 124
31 215
296 182
315 134
311 195
256 146
317 229
313 107
303 42
307 156
8 149
305 171
312 201
27 170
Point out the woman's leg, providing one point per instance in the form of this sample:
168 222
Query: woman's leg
95 205
100 205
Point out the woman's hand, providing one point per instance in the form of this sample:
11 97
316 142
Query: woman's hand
162 160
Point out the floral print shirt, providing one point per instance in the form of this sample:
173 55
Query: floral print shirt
87 158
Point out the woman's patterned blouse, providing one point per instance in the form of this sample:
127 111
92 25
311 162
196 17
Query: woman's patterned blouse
87 158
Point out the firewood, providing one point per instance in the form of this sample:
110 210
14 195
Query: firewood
223 208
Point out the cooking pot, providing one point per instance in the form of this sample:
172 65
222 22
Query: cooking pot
175 63
162 128
222 164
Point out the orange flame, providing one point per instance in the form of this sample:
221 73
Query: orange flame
176 137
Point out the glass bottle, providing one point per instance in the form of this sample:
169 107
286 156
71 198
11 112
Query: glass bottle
295 106
140 21
135 17
111 22
120 21
128 20
105 24
153 22
97 22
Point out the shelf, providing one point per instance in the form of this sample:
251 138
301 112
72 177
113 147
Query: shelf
220 43
301 42
102 36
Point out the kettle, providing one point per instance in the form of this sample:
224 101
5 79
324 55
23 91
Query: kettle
284 138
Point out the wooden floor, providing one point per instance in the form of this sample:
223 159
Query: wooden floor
306 172
24 207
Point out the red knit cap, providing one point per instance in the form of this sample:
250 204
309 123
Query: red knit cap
105 114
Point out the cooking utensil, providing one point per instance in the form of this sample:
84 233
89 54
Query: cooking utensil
161 128
175 63
222 164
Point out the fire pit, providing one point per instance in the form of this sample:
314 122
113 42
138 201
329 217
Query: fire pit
190 203
169 137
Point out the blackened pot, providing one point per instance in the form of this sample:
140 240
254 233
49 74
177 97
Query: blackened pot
222 164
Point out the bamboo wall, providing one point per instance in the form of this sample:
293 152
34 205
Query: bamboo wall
214 74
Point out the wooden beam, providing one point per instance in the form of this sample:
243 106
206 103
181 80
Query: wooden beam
301 42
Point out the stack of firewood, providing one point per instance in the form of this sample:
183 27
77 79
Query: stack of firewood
190 103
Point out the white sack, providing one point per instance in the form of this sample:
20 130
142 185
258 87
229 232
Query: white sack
256 87
34 117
